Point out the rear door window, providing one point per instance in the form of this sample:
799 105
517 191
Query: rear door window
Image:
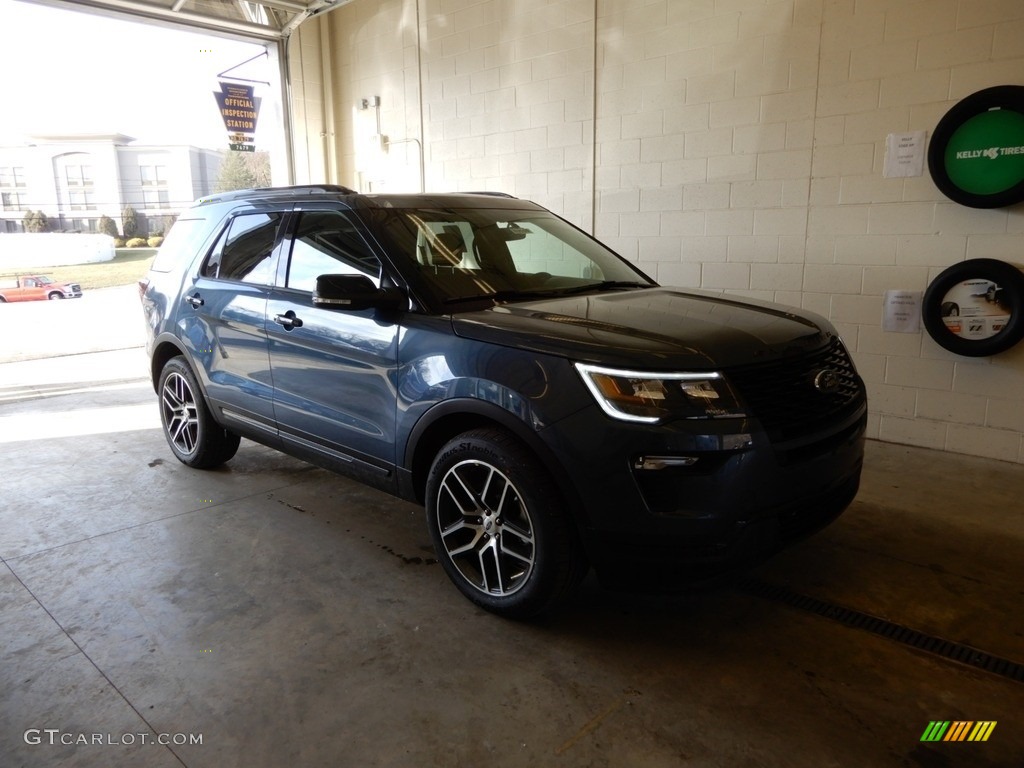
244 252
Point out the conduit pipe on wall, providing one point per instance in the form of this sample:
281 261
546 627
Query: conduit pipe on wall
327 96
419 145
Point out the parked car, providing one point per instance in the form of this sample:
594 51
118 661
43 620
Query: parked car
35 287
550 405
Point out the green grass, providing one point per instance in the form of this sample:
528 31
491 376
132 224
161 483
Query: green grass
128 266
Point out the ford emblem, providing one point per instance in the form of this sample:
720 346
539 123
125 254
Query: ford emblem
826 381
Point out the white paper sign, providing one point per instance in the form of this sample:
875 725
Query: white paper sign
904 155
902 312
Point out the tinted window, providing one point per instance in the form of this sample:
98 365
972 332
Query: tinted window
181 243
245 249
327 243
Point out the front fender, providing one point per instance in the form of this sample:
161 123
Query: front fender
449 418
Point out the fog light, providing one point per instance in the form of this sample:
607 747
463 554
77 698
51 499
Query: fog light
736 442
664 462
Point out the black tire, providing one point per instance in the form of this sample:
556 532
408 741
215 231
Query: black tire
500 527
194 437
55 296
933 308
1009 97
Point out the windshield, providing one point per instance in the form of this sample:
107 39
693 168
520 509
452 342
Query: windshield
461 255
43 280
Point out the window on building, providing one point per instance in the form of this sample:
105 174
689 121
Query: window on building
81 199
78 175
80 186
11 201
12 188
156 198
153 175
12 177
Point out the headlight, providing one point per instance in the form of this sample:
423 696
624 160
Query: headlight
653 397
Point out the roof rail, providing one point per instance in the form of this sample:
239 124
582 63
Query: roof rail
311 189
485 192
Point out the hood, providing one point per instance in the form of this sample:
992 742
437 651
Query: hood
653 328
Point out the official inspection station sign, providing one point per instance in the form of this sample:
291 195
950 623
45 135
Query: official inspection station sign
240 109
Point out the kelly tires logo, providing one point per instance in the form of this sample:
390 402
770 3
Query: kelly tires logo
976 153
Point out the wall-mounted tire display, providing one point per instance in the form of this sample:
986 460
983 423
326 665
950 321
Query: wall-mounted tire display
976 153
976 308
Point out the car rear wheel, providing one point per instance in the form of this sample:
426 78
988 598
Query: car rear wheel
194 437
500 527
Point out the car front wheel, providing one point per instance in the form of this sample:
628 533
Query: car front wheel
500 527
55 296
194 437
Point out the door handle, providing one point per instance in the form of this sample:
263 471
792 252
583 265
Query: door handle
195 300
288 320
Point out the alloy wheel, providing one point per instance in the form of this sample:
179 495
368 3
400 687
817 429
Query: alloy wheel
181 416
485 528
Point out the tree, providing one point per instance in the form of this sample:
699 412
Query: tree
243 170
129 222
107 226
35 221
167 222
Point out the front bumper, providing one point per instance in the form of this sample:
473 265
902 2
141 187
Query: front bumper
740 501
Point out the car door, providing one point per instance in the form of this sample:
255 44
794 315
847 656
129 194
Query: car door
32 290
224 319
333 370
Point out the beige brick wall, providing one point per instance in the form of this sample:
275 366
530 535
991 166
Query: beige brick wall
733 145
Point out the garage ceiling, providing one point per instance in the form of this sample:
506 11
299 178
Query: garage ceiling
264 20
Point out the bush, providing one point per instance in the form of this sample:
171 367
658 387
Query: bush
155 241
136 242
107 226
35 221
119 242
129 221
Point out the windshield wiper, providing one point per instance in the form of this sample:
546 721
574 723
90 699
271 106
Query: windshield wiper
606 285
509 295
502 296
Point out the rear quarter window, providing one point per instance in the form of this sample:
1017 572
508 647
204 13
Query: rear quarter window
181 244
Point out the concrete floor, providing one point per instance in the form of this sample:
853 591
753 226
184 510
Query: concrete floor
290 617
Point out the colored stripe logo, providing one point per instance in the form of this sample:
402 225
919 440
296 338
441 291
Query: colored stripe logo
958 730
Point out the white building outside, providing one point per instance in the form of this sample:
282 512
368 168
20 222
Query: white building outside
77 178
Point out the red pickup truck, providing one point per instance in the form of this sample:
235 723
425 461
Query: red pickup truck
33 287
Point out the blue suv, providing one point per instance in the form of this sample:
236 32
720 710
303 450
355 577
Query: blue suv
550 405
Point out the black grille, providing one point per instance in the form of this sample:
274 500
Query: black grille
782 395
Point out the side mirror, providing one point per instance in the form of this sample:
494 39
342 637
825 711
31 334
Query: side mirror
354 293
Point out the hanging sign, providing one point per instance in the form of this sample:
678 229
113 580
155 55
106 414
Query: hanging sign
976 156
239 109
